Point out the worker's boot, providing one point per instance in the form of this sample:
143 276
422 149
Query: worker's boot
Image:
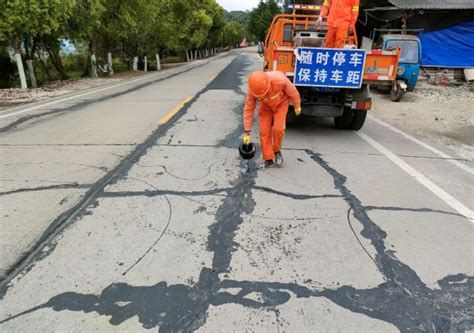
267 164
278 159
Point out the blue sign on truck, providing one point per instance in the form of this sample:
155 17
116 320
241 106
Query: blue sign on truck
336 68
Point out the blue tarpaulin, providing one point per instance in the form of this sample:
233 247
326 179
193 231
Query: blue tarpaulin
451 47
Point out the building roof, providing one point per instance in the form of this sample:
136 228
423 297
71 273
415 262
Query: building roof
433 4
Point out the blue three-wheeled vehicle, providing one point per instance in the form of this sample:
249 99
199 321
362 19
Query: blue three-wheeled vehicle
409 63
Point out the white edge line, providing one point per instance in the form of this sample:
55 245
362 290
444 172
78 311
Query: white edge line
425 145
435 189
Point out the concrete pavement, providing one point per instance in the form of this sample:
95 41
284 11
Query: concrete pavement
113 222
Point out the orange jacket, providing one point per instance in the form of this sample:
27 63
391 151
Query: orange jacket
342 13
281 91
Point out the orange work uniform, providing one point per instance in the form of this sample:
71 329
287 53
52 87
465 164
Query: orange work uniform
273 108
342 16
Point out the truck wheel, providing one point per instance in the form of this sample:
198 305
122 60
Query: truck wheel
396 95
358 120
344 122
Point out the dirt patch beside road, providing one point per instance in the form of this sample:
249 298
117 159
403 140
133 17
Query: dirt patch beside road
16 96
442 116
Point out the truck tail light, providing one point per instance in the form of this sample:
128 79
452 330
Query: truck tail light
364 105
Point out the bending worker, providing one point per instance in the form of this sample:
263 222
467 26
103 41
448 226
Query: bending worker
341 21
274 91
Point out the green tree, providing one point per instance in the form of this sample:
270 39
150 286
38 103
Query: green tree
233 33
84 25
216 31
239 16
128 28
187 24
261 18
33 20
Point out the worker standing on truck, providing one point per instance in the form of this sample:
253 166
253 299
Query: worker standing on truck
342 17
274 91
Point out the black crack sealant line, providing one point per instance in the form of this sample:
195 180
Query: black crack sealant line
179 307
173 308
46 188
45 244
402 300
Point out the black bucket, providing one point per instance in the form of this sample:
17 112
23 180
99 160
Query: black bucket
247 152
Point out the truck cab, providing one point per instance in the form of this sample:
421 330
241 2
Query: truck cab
293 33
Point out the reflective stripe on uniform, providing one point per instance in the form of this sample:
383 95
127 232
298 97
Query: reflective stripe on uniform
355 8
327 3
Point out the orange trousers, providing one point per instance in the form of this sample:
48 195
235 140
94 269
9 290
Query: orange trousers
272 129
336 37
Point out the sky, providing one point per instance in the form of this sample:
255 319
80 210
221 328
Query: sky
238 4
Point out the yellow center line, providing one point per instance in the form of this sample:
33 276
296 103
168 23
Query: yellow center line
176 109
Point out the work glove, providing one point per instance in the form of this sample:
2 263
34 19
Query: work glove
319 22
246 139
298 111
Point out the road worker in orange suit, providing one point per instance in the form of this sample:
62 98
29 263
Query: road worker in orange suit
274 91
342 17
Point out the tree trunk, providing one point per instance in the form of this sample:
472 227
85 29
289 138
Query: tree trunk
109 61
95 75
21 71
43 65
145 64
26 45
187 57
52 48
135 64
93 58
19 64
87 67
158 62
31 70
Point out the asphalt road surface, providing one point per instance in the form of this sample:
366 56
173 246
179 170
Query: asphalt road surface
127 208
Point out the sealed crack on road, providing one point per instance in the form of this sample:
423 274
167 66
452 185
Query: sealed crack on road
175 307
402 300
414 210
45 244
47 188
